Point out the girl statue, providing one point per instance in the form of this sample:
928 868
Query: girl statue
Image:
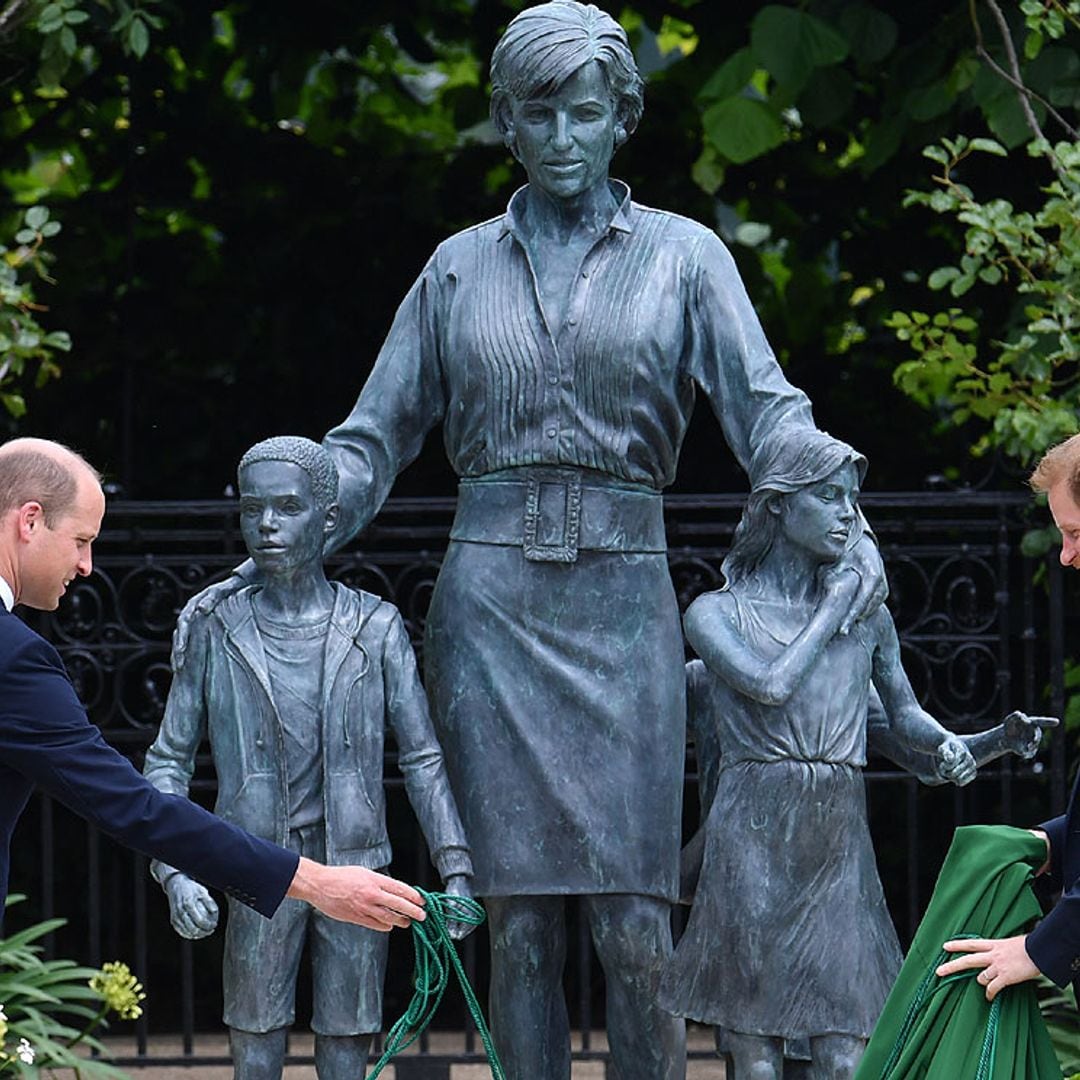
789 946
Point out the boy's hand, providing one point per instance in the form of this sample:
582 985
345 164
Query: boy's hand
459 885
193 912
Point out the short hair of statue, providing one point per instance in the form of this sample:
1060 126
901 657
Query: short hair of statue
1061 462
29 472
543 46
305 454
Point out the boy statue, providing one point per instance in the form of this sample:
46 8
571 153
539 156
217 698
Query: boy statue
294 681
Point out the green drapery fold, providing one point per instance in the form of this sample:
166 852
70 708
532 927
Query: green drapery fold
945 1029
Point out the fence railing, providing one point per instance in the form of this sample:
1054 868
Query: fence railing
982 631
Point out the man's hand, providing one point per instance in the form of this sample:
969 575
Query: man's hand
1023 733
1046 840
458 885
357 895
955 762
192 910
1004 962
866 559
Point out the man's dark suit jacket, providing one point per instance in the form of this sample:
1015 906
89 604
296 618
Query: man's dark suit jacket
47 741
1054 945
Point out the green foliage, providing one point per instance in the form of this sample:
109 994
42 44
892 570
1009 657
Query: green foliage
25 346
68 37
246 192
1058 1009
49 1009
1022 384
1014 372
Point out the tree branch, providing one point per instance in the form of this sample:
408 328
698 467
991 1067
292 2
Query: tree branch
10 14
1014 76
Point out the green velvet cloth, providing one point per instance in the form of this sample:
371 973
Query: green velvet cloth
944 1029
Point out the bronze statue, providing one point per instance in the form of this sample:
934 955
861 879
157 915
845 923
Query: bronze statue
293 681
561 346
789 950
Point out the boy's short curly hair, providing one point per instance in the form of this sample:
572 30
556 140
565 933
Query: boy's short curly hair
305 454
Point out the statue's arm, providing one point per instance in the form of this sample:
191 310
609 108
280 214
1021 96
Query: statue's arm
714 635
731 359
882 739
403 399
170 760
420 757
733 363
909 722
1018 734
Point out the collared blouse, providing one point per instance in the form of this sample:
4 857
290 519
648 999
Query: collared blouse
657 312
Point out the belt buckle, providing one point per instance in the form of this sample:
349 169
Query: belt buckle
552 515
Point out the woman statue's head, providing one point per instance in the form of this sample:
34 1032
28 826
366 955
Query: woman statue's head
791 460
545 45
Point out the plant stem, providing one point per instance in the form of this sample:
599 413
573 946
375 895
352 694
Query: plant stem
93 1023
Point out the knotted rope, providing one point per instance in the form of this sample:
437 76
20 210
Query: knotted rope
434 958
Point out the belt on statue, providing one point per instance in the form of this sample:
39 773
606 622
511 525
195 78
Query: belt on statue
553 513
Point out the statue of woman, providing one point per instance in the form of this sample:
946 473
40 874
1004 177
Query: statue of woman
789 945
561 346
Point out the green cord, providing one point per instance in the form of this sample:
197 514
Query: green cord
435 955
929 986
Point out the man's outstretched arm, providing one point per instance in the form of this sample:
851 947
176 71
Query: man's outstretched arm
356 894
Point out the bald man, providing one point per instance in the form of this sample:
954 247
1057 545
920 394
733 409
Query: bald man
51 506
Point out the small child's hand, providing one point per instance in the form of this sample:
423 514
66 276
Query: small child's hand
459 885
955 762
1023 733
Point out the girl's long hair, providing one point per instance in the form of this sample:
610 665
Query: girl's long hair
788 461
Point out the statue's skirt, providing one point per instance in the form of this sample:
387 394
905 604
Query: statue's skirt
558 695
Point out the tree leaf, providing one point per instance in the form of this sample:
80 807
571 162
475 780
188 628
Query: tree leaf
989 146
36 216
730 77
14 404
138 38
942 276
872 33
742 129
790 44
58 339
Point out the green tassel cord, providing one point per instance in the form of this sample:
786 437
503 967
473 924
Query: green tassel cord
435 958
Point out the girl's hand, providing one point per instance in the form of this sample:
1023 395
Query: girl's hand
841 581
1023 733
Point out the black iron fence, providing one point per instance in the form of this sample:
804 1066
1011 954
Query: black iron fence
982 630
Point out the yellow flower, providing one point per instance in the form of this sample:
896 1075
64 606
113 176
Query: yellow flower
119 989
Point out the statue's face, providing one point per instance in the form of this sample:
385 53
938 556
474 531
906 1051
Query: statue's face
566 139
819 517
282 525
